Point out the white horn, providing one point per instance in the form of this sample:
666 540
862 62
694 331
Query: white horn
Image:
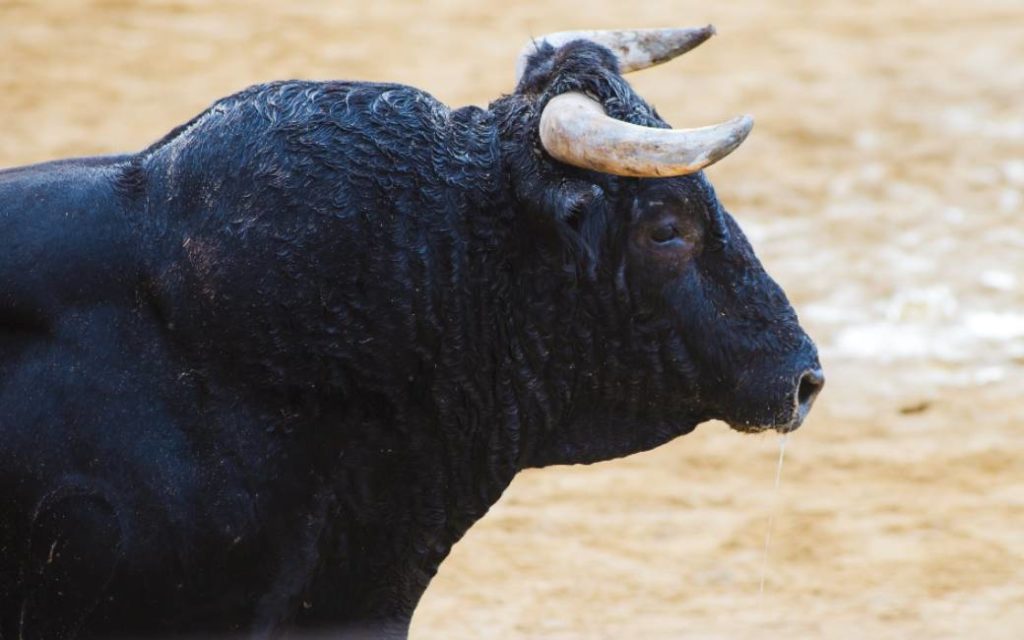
636 49
574 129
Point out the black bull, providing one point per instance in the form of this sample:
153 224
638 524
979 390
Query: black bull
264 374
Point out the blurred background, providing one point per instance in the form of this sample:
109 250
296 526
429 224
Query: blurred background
883 187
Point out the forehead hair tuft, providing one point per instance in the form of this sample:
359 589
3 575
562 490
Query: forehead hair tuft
589 68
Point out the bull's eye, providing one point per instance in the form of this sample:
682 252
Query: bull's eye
664 233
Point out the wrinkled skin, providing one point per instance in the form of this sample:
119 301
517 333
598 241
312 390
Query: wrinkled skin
260 377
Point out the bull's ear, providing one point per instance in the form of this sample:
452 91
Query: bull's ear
579 210
573 199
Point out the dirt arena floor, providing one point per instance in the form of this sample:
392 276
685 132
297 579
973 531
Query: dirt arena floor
883 186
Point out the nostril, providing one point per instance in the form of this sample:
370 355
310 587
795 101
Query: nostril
811 383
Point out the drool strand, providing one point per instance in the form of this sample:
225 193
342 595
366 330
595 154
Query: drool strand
771 517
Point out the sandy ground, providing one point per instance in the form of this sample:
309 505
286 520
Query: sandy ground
884 188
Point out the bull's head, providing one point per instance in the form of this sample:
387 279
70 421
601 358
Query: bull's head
681 323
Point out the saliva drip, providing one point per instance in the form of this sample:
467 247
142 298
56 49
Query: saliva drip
774 507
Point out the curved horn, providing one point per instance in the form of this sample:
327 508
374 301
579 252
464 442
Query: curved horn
574 129
636 49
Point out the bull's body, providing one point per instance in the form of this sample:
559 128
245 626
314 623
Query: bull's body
170 394
262 375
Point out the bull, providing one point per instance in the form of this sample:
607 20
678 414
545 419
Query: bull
259 377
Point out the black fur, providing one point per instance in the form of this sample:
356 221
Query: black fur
261 376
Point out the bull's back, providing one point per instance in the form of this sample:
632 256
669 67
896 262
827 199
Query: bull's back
118 461
70 397
65 238
66 271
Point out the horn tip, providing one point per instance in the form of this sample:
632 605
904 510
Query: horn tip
741 124
679 41
740 128
744 124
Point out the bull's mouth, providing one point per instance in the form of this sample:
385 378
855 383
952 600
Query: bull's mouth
761 428
807 387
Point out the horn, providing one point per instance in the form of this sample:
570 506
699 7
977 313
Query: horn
575 129
636 49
